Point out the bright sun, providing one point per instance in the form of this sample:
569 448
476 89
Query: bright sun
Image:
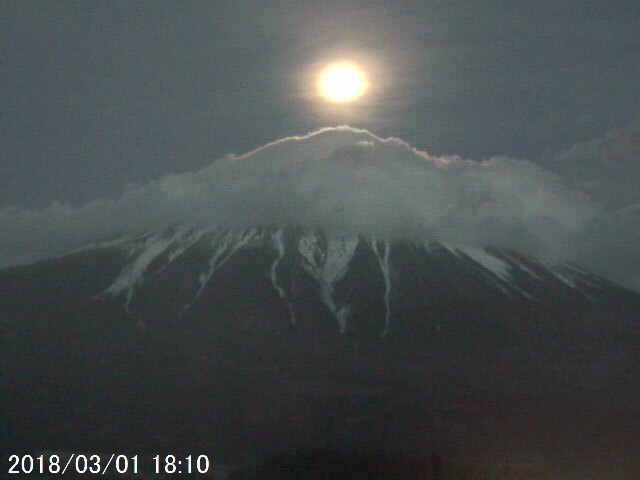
342 82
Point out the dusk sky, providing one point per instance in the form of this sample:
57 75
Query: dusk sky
101 98
346 239
99 95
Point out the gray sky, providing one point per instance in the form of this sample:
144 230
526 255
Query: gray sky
98 95
113 116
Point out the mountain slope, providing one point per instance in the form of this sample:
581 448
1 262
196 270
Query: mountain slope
335 289
244 337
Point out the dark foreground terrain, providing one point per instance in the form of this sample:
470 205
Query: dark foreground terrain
327 464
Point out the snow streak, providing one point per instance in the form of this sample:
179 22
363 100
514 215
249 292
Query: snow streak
383 261
276 238
226 243
133 273
328 266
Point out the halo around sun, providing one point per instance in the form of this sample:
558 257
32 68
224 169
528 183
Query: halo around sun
342 82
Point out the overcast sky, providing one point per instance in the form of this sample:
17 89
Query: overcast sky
98 95
114 115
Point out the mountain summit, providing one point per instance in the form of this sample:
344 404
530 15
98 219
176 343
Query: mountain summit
336 179
334 290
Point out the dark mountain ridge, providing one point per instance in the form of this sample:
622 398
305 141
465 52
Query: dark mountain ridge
254 341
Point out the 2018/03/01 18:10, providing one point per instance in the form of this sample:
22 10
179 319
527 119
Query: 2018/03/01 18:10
171 464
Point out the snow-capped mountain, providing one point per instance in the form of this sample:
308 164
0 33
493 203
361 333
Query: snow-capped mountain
334 289
269 338
295 260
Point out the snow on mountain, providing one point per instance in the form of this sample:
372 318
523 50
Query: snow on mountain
328 264
281 329
334 286
327 257
154 246
276 238
383 261
340 178
493 264
225 244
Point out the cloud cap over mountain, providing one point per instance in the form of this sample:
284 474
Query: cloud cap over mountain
335 178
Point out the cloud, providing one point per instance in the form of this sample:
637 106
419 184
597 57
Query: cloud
336 178
610 245
607 168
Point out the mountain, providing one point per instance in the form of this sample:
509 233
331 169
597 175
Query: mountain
243 342
331 292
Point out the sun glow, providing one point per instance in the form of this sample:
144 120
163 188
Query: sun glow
342 82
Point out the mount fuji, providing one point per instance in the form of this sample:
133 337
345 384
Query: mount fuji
313 302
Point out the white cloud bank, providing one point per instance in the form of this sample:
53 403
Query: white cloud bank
607 168
341 178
